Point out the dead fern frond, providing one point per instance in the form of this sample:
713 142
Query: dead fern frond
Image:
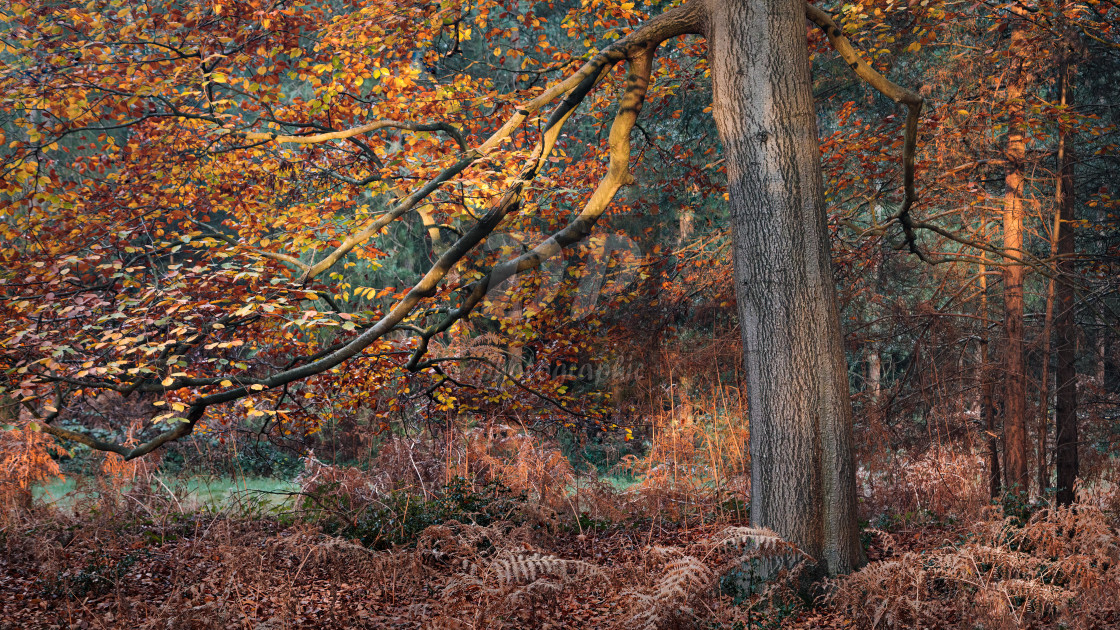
525 568
683 577
25 459
760 538
670 601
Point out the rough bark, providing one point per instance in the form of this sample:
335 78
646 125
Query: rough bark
1015 393
803 477
1066 460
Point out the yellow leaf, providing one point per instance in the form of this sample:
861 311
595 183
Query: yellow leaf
227 383
168 381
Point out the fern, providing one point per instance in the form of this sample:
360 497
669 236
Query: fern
763 539
1010 576
514 569
682 580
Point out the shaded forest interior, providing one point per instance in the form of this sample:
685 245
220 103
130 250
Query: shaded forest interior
451 314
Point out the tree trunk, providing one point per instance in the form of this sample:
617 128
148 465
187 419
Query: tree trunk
1045 340
874 374
987 412
802 473
1065 441
1015 394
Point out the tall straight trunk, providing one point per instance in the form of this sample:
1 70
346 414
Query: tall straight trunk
1065 441
802 473
1102 337
1015 394
874 374
1047 330
987 412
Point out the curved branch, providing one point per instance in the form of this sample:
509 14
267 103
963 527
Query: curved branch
687 18
180 429
897 94
638 46
618 175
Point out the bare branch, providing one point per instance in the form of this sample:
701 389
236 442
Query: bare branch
356 131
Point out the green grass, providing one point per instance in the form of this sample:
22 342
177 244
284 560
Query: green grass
192 493
621 483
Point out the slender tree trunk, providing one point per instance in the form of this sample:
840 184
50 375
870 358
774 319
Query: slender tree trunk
1045 341
874 374
1066 460
987 413
802 473
1102 338
1015 394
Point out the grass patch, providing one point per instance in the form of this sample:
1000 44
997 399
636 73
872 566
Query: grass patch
192 492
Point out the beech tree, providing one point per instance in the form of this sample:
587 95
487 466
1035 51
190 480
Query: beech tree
185 186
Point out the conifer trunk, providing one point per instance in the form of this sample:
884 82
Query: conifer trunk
1015 393
1066 460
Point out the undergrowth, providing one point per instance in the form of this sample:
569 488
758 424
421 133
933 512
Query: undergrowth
493 529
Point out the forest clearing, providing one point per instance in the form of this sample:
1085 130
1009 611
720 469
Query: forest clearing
564 314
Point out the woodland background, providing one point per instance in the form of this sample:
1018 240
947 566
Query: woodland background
577 456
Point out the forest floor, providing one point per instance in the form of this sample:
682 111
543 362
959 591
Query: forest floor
122 569
195 555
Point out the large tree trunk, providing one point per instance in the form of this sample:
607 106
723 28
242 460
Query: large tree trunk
802 473
1065 326
1015 394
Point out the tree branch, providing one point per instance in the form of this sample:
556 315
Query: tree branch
897 94
638 46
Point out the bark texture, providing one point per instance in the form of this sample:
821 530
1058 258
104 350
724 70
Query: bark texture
802 472
1015 393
